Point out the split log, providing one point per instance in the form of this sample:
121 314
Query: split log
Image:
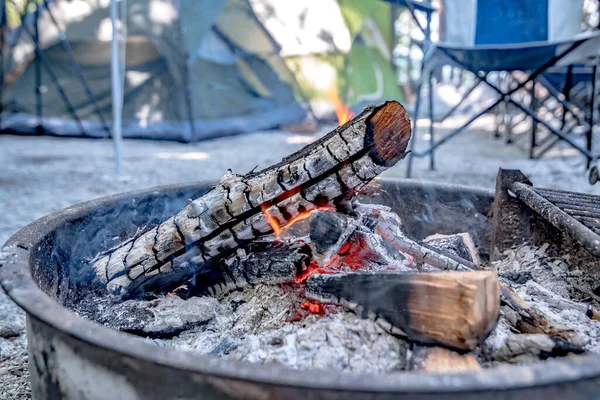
456 310
518 312
440 360
234 212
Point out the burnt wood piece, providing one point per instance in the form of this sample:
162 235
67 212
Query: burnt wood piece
460 244
440 360
423 252
521 347
455 310
259 263
526 319
325 173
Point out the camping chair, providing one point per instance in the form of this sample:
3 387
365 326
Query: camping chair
415 8
491 36
575 84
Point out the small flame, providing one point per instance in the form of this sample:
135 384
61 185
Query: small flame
271 220
342 111
276 226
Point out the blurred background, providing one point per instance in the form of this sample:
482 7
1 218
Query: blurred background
101 96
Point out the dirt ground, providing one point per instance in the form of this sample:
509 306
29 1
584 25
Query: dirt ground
39 175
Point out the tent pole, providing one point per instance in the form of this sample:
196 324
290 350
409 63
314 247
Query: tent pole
117 95
2 54
76 67
38 73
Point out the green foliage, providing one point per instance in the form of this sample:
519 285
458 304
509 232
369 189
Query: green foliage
15 8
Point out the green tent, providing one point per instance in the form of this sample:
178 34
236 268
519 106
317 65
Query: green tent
335 46
197 69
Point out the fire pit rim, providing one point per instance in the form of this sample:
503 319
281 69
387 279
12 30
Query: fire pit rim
16 279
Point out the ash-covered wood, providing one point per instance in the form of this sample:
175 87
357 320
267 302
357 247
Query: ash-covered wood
560 302
457 310
526 319
326 230
460 244
231 214
162 317
440 360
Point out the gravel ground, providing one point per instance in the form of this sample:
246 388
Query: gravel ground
41 175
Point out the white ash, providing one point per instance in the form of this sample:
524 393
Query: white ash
559 276
254 325
159 317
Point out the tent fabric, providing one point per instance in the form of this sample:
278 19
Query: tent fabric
489 22
334 47
196 69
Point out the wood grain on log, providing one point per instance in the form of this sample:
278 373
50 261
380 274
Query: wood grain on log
453 309
231 214
440 360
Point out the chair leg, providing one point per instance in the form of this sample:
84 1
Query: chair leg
413 141
506 120
431 129
589 134
533 106
567 94
497 121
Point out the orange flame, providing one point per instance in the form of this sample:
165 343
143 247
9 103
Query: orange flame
342 111
276 226
271 220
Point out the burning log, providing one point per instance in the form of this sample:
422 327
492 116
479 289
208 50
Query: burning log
457 310
261 262
440 360
239 209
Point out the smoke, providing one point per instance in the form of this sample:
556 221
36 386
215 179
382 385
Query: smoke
61 267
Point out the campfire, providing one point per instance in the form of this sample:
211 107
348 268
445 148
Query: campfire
298 264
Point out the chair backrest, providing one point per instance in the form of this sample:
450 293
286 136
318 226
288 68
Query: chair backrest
485 22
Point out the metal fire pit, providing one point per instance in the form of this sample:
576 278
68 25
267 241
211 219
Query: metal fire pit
74 358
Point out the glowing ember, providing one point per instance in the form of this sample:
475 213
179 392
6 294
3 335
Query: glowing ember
313 307
342 111
308 271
